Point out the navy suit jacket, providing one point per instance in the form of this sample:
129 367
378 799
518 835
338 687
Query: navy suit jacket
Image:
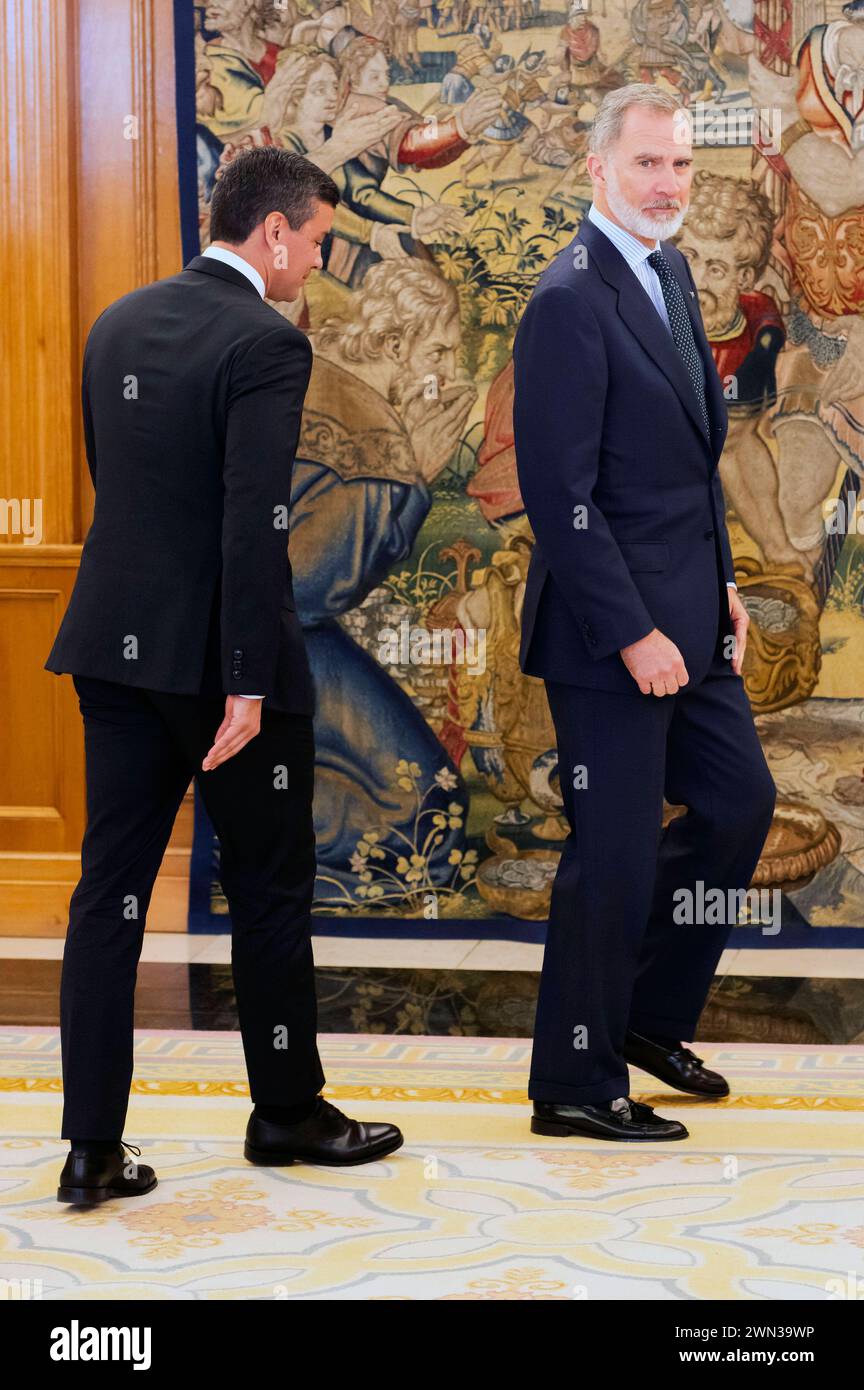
617 473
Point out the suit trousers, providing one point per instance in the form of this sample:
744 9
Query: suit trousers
142 749
615 956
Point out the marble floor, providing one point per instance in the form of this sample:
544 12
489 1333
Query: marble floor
446 988
397 952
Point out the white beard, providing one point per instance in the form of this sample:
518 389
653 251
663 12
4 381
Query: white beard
660 224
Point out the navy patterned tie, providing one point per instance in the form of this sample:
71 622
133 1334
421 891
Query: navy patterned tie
682 328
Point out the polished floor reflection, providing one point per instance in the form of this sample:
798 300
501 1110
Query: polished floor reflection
446 988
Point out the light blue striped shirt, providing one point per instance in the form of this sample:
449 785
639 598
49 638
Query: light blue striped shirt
636 255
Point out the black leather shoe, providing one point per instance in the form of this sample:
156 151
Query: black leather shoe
678 1067
88 1177
326 1136
623 1119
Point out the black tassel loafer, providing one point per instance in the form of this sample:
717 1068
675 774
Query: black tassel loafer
624 1120
88 1178
678 1067
326 1136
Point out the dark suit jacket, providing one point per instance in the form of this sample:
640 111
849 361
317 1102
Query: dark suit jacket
606 418
192 393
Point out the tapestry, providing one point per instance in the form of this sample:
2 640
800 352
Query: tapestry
456 132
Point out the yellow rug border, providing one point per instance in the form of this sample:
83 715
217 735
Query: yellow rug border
442 1094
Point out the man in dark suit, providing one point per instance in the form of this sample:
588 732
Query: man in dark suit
188 659
632 619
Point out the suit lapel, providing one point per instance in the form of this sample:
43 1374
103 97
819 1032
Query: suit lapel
641 317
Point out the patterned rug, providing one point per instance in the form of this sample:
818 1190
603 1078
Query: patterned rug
765 1201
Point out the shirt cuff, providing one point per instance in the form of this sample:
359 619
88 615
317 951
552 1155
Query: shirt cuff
730 584
251 697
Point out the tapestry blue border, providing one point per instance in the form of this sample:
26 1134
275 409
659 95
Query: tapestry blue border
795 932
187 157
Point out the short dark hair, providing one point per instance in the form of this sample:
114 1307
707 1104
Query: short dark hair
263 180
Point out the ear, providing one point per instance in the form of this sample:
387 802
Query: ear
274 229
391 346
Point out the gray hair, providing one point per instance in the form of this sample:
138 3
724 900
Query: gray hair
609 118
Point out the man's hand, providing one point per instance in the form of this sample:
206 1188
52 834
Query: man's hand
845 380
384 240
436 426
740 623
351 135
655 664
241 723
436 220
479 111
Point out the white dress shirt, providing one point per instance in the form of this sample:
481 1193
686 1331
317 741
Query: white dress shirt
636 255
219 253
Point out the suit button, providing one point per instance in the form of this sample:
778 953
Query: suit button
237 653
708 535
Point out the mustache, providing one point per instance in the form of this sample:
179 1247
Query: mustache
718 303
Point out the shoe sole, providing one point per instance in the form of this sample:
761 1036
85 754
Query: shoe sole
91 1196
284 1160
558 1131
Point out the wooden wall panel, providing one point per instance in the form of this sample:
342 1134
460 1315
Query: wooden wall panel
39 429
128 215
40 772
88 211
